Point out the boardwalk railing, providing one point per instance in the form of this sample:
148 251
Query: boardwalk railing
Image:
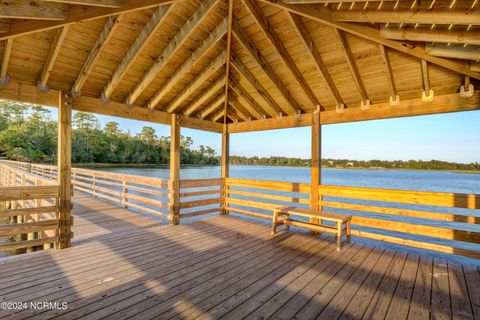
28 211
445 222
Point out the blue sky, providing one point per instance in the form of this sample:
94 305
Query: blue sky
450 137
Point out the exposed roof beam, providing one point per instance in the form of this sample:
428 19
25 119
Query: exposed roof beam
217 116
312 50
369 33
7 50
283 53
140 42
197 82
421 16
229 53
276 110
426 79
431 35
327 1
252 106
238 108
79 13
102 40
292 105
456 52
185 68
205 96
96 3
52 56
187 29
413 107
215 105
20 9
388 71
351 65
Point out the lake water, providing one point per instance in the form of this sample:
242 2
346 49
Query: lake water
418 180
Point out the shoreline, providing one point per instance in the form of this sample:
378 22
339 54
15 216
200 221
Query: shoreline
165 166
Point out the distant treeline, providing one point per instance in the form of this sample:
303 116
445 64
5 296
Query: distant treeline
345 163
27 133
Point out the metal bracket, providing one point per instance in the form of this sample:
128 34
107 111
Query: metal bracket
104 99
364 105
340 107
298 113
396 101
6 80
41 88
466 93
427 98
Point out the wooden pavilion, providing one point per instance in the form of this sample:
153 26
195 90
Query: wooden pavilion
232 66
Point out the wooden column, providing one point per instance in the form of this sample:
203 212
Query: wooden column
316 166
64 163
225 165
174 216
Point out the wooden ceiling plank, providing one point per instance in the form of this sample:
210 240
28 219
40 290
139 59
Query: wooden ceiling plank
406 16
217 86
80 13
4 25
276 110
239 109
330 1
217 116
369 33
429 35
283 53
254 108
20 9
292 105
197 82
215 105
7 50
352 66
136 48
52 57
312 50
186 67
394 98
95 3
108 30
181 37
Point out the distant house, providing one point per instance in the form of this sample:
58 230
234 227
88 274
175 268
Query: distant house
349 164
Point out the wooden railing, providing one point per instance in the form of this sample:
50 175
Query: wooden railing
28 211
445 222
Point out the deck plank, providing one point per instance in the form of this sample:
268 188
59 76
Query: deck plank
128 266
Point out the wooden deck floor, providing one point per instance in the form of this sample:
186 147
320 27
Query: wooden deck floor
124 265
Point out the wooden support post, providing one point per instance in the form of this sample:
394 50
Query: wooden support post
316 166
174 206
225 165
64 163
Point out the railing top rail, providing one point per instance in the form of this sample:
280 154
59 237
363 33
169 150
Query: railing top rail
29 175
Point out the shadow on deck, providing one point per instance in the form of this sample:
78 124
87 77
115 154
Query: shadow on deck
124 265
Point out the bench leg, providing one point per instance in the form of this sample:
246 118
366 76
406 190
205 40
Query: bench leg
274 222
339 236
348 231
287 227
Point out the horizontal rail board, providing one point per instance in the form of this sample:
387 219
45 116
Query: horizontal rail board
27 243
429 231
437 216
199 203
22 228
199 183
248 213
28 192
27 211
456 200
199 193
268 196
270 185
199 213
254 204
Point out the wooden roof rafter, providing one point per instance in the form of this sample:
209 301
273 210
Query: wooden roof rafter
182 35
215 105
369 33
253 107
292 107
7 50
394 97
135 49
93 3
205 96
198 55
52 56
238 108
229 54
283 53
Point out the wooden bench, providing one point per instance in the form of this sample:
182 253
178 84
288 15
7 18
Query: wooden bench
281 216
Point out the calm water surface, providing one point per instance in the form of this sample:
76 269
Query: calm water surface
419 180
